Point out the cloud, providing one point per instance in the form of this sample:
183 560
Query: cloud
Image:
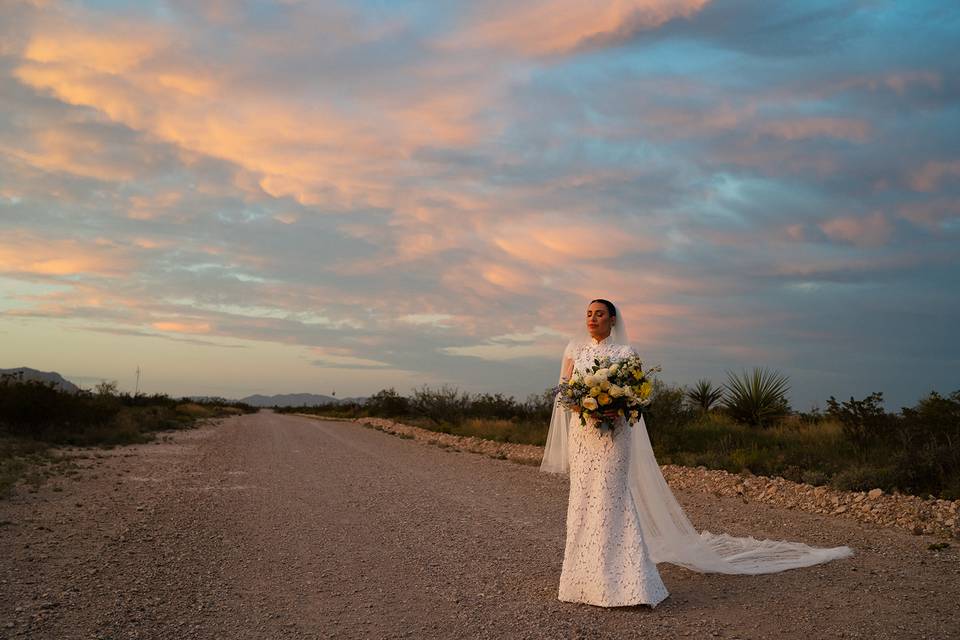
928 177
27 254
936 215
852 129
404 193
869 230
547 27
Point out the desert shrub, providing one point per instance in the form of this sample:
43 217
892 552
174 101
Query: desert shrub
517 431
862 477
865 422
757 399
703 395
443 406
494 406
668 409
38 410
814 477
387 403
927 445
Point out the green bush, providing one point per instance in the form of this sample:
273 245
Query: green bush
388 403
757 399
704 395
668 409
443 406
865 422
864 478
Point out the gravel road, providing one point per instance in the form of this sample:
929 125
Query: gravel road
272 526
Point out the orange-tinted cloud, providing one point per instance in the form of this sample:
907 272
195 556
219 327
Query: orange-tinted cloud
29 254
546 27
182 326
551 241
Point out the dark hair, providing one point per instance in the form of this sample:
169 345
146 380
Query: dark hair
612 310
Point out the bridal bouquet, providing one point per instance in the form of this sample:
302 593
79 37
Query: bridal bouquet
608 390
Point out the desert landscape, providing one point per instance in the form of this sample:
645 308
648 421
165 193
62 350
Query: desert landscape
282 526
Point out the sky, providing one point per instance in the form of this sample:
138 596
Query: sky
246 197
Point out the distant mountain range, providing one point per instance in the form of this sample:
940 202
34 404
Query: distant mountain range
295 400
257 400
43 376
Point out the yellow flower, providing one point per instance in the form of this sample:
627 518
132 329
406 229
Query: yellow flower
604 385
595 391
589 403
603 399
645 390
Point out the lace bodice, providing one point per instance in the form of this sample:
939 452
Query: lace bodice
584 354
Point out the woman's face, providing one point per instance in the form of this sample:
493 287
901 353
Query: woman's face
599 320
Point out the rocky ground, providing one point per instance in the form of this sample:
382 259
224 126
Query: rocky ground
912 513
270 526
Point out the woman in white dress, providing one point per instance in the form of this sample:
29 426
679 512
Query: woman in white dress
622 518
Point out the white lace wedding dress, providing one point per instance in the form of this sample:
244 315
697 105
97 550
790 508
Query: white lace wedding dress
623 519
606 561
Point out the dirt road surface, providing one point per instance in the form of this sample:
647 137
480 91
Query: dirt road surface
272 526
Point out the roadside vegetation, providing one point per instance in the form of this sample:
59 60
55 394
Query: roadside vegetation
744 425
35 416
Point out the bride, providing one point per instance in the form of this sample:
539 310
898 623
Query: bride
622 518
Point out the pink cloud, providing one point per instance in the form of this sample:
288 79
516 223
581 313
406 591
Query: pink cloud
870 230
557 26
550 241
852 129
314 151
928 177
931 215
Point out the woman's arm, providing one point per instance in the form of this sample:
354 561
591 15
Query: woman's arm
566 369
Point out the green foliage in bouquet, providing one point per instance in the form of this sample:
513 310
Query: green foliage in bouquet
608 390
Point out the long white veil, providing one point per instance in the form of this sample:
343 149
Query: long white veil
668 533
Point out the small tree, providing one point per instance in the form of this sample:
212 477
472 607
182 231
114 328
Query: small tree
387 403
106 388
863 422
445 405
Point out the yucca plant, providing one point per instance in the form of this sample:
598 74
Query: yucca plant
758 398
704 395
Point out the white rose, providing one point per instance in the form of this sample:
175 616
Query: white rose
589 380
589 403
614 367
602 374
614 391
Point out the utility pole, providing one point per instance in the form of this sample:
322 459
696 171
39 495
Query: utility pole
137 392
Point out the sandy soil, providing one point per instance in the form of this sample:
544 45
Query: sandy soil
270 526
